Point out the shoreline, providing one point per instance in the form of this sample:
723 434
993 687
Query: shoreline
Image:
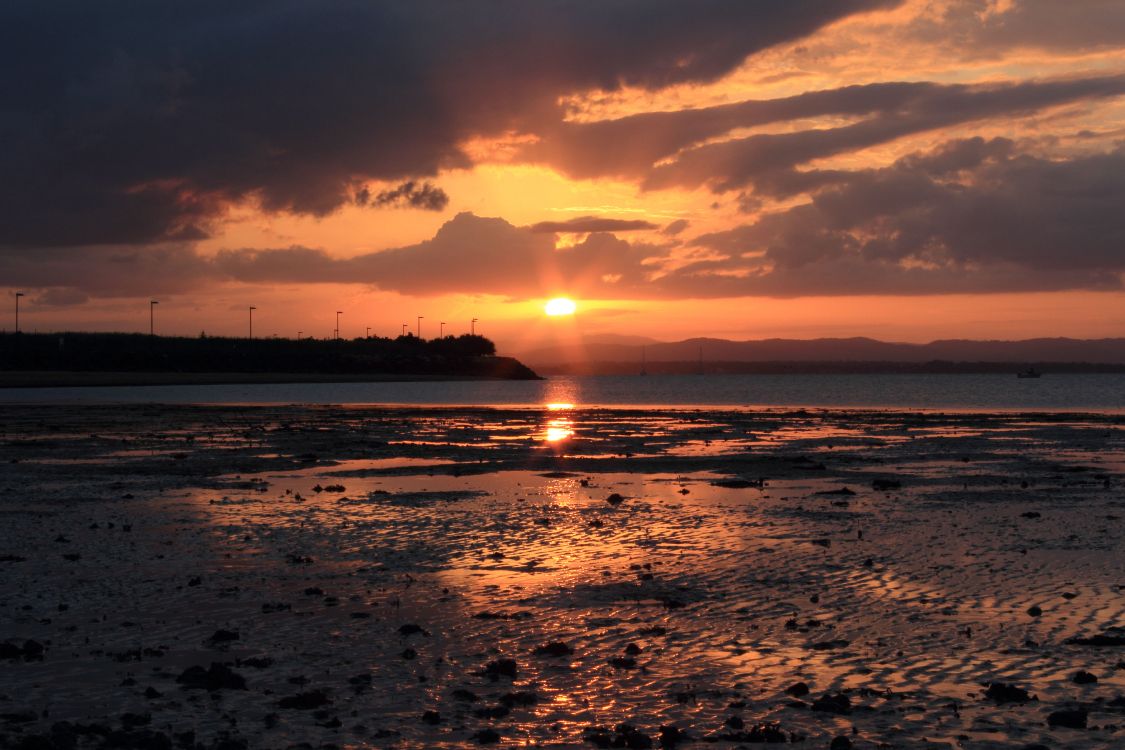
80 379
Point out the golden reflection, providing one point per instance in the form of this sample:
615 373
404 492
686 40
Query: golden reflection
561 393
559 429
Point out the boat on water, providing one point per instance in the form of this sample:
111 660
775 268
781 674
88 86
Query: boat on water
1030 372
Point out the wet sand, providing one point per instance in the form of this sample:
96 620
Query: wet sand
359 577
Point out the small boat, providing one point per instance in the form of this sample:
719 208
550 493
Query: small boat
1030 372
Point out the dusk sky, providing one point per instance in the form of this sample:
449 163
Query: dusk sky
801 168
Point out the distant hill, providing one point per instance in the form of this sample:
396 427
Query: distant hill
828 354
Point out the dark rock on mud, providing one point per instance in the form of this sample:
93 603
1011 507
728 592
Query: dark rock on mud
431 717
833 704
770 732
494 670
1101 639
412 629
1001 693
217 677
487 737
1069 718
222 636
829 645
554 648
739 484
883 485
615 499
622 735
519 698
1082 677
671 735
798 690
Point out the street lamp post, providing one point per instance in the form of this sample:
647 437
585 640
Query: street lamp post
299 335
338 314
368 331
18 295
252 309
419 324
441 330
404 329
473 326
151 304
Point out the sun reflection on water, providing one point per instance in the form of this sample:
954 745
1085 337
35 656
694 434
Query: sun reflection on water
558 430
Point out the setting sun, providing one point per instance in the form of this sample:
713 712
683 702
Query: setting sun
560 306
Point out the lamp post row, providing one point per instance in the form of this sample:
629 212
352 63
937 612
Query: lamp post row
152 303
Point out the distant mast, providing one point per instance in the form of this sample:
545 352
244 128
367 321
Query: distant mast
643 370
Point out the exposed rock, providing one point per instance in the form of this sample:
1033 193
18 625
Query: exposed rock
494 670
833 704
1101 639
1002 692
217 677
829 645
554 648
623 735
1069 718
798 690
222 636
670 736
487 737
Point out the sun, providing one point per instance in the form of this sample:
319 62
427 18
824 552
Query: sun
560 306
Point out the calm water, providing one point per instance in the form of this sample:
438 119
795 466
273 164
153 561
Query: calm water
1089 392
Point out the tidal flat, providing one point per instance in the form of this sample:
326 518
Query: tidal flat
317 576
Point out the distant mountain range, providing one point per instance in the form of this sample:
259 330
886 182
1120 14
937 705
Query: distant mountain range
613 354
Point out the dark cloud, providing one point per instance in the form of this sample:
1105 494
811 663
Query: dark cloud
737 163
409 194
105 270
136 123
585 224
970 216
662 148
61 297
469 254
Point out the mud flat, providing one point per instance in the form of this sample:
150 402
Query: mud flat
221 577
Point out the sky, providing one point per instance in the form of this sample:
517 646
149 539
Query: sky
903 169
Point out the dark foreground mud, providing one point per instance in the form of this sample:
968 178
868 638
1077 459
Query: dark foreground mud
272 576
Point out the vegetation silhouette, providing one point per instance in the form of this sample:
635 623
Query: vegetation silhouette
408 355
